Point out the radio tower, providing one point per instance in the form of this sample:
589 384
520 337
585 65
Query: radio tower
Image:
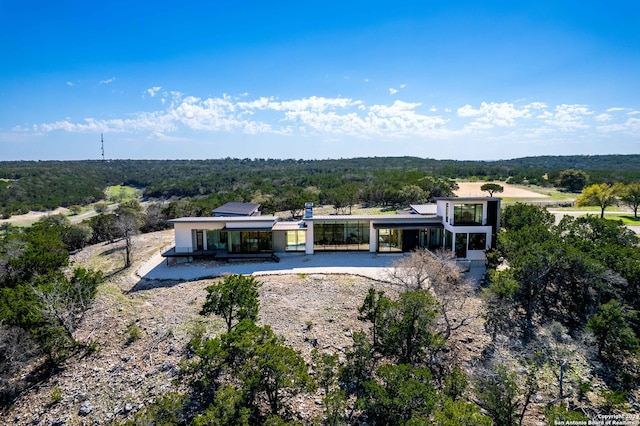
102 145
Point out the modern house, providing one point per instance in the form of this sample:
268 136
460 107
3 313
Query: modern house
466 226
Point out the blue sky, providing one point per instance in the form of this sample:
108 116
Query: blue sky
477 80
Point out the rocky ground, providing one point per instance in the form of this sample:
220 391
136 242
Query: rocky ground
137 331
126 370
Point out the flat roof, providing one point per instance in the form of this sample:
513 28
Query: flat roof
209 219
465 199
289 226
380 218
408 225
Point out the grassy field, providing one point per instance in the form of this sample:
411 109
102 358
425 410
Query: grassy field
118 193
626 219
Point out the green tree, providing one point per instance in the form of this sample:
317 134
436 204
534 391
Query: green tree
235 298
492 188
325 369
413 194
573 180
257 363
499 301
101 207
74 236
459 413
227 409
498 394
560 415
630 196
517 216
372 310
358 367
32 252
335 406
407 328
455 383
599 194
63 300
614 336
104 227
275 371
166 410
401 393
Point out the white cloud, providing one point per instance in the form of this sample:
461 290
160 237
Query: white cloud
153 91
603 117
108 81
503 114
70 83
393 91
631 127
568 117
336 117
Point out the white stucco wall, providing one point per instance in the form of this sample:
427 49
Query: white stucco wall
308 244
184 240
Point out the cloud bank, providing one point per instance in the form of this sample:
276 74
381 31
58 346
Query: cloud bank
335 117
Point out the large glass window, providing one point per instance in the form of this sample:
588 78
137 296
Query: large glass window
461 245
341 235
295 240
431 238
389 240
448 240
467 214
216 240
477 241
250 241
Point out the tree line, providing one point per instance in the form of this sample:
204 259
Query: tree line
379 181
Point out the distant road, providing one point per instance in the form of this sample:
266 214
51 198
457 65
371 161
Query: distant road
559 214
32 217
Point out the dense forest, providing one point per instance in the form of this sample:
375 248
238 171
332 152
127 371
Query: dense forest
46 185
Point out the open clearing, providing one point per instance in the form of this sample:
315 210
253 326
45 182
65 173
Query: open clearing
472 189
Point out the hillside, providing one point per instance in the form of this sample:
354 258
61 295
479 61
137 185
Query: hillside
138 331
126 374
46 185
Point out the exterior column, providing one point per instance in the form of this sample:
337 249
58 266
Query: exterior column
373 238
308 243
